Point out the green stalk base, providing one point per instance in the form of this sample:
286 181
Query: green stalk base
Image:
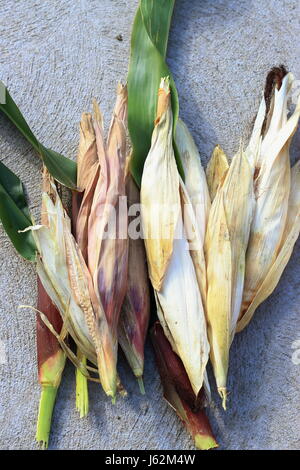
203 442
47 401
82 394
141 385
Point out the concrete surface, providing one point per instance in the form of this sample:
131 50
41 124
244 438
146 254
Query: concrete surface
55 56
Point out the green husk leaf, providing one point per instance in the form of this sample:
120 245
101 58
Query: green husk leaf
147 67
61 168
13 186
14 213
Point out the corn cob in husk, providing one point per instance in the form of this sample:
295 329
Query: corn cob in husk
225 249
171 268
87 176
50 356
135 311
107 224
274 229
66 279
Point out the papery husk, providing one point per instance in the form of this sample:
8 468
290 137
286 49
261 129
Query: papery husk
87 157
290 236
160 197
134 318
181 308
216 170
65 277
195 180
272 188
195 200
88 170
174 279
178 391
108 253
225 248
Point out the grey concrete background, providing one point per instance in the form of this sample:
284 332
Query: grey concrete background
55 57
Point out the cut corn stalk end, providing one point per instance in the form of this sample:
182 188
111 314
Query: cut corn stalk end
141 385
205 442
82 394
47 401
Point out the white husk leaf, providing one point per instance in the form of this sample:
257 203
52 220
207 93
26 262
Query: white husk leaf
177 293
272 188
290 236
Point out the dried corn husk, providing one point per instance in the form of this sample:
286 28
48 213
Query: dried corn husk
216 170
291 233
195 180
171 267
87 158
135 311
225 248
272 189
108 252
65 277
160 202
195 200
88 169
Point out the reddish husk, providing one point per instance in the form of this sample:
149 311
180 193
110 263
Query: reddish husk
135 311
178 391
51 359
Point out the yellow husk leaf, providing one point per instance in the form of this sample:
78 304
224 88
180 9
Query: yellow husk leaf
225 248
87 159
216 170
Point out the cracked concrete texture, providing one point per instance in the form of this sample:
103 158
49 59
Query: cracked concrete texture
55 57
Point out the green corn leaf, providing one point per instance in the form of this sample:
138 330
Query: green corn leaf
147 66
14 188
61 168
14 213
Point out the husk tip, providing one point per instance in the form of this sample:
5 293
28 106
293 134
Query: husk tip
223 394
